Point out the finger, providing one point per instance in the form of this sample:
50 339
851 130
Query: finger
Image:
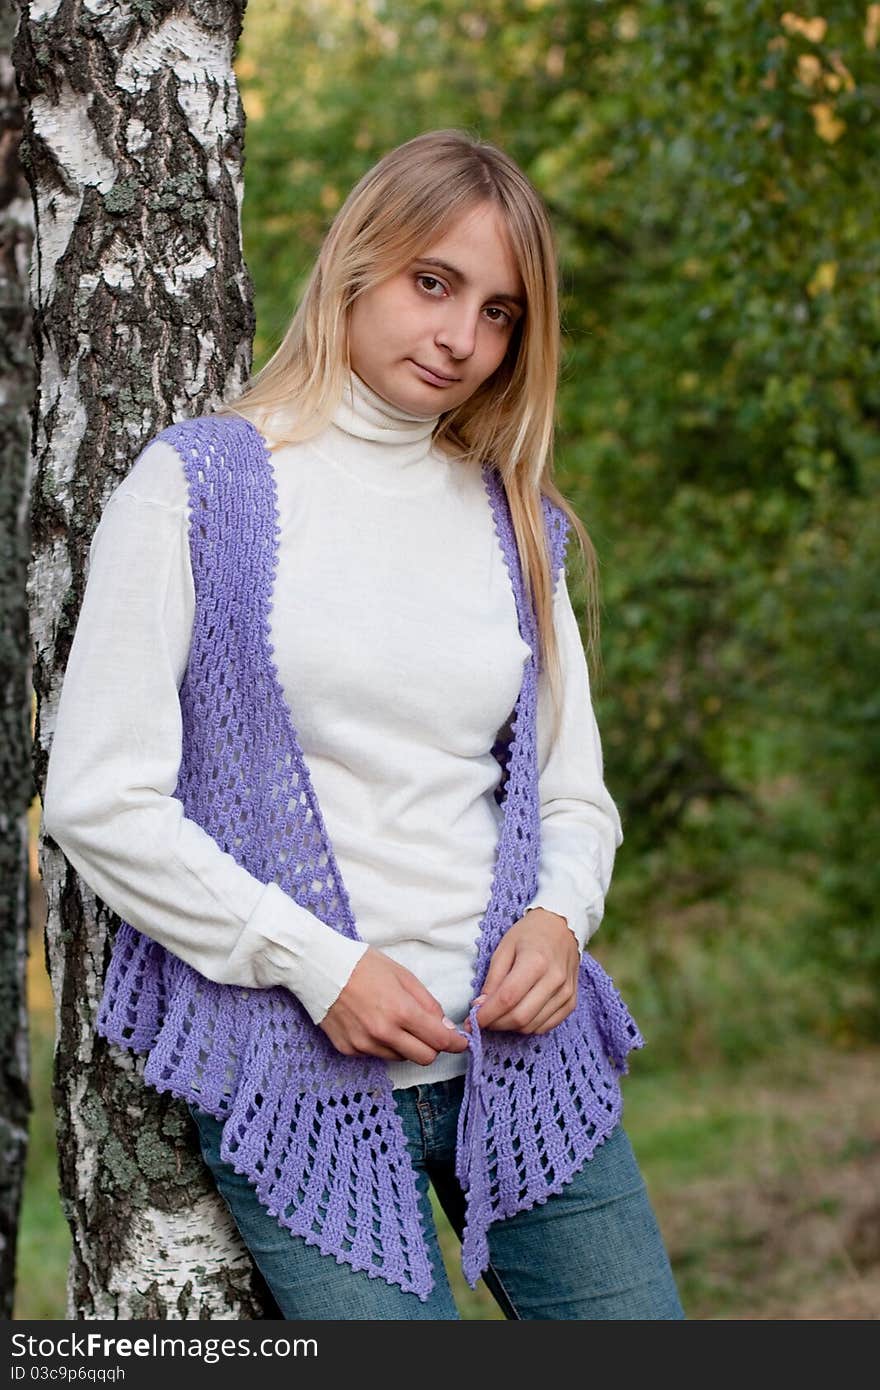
374 1049
396 1044
557 1007
525 976
387 1053
555 1019
499 966
522 1013
422 1045
414 1049
432 1030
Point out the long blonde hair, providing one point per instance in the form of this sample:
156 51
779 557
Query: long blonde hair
398 207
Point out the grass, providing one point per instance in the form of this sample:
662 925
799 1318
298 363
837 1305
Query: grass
44 1237
764 1179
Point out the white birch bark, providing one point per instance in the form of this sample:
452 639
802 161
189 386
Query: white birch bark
16 776
143 314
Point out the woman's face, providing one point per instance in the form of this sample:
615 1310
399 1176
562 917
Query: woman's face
456 318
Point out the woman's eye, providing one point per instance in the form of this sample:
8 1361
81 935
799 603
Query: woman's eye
422 278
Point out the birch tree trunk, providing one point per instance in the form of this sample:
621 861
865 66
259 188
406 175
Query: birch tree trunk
16 777
143 314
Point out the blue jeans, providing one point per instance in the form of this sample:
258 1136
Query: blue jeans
592 1251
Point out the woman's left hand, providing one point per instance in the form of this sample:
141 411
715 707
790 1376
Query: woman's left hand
532 980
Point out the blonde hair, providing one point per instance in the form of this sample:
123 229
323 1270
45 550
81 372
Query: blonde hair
398 207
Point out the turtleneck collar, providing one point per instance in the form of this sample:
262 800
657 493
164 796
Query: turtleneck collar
366 414
379 444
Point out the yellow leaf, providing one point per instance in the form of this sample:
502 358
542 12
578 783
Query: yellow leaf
823 279
828 126
254 103
554 63
872 26
809 69
843 73
627 27
812 29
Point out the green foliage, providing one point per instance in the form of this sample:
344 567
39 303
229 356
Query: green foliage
709 170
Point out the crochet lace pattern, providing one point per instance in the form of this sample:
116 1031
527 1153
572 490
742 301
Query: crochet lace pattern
316 1132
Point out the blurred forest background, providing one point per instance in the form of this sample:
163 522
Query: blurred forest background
710 167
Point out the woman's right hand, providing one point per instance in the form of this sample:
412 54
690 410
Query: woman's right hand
385 1011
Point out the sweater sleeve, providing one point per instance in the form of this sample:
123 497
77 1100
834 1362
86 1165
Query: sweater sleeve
580 825
115 758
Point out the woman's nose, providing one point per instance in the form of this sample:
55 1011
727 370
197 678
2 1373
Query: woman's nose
459 335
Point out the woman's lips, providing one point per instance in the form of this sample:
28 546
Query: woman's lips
433 377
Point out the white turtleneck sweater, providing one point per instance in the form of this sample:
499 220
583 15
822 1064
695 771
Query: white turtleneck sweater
396 641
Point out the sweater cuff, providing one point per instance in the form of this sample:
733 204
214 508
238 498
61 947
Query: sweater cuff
285 944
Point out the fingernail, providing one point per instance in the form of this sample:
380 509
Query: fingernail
480 999
447 1022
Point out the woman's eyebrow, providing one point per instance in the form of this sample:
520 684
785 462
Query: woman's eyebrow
463 279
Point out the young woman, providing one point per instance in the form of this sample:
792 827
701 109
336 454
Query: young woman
326 744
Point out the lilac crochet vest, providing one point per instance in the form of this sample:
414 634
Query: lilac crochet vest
318 1133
